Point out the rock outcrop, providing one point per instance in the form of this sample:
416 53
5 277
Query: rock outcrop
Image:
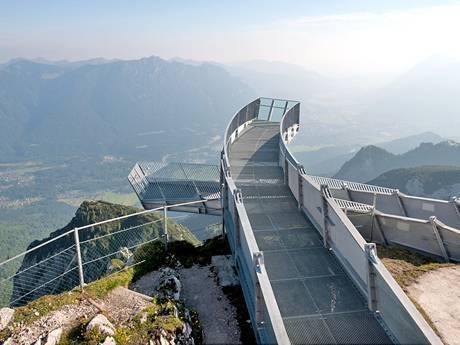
102 324
6 315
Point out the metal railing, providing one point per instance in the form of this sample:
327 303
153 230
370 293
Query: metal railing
392 201
263 309
429 236
84 254
159 183
359 258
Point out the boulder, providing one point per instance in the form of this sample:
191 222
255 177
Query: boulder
109 341
125 255
54 337
6 314
103 324
169 284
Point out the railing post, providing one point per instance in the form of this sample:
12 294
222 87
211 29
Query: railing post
286 171
456 204
439 238
258 260
347 190
325 194
400 202
165 225
376 219
371 256
238 199
79 262
301 172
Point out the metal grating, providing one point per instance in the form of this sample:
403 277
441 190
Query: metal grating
308 330
335 294
313 293
296 299
356 328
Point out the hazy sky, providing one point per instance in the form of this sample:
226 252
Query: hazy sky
337 36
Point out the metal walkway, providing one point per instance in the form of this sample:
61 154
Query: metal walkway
317 300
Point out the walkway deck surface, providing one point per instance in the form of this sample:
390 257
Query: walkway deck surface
318 302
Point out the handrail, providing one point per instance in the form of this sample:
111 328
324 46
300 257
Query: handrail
274 313
363 259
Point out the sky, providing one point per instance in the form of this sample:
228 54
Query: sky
333 37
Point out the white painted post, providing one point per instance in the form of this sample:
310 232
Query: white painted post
165 225
324 195
79 262
443 249
371 253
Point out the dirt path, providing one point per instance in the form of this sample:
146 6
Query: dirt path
438 293
217 315
201 293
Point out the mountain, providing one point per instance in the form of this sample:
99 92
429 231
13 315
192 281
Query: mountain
328 160
99 245
371 161
424 98
442 182
401 145
147 108
368 162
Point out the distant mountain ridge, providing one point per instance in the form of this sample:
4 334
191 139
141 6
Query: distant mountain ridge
328 160
441 182
371 161
113 107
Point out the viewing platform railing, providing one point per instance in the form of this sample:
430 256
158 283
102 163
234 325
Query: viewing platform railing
359 258
262 306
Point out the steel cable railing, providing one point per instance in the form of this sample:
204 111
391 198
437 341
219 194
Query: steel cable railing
83 254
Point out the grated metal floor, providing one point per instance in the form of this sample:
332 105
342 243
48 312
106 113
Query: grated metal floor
318 302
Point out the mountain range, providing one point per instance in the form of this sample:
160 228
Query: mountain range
371 161
147 108
440 182
328 160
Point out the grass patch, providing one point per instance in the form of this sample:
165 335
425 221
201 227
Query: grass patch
407 266
100 288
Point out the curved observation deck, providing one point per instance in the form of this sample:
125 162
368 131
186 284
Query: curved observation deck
307 274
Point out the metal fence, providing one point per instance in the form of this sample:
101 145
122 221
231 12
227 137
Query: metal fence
392 201
430 236
83 254
359 258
